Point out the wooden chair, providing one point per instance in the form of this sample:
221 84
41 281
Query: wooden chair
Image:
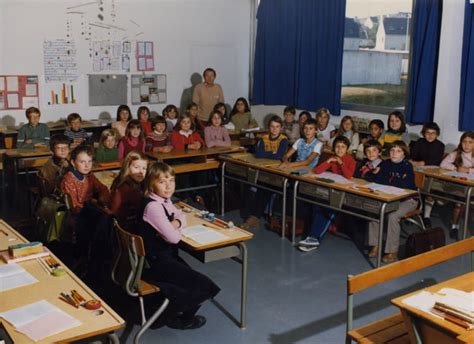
127 272
392 328
416 216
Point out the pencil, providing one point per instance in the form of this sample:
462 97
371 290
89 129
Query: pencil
43 266
78 295
211 226
64 300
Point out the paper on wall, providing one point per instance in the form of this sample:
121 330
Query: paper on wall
150 64
144 89
13 101
148 49
30 90
135 95
161 82
141 48
30 101
141 63
12 83
162 97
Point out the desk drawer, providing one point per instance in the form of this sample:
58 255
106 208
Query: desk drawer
368 204
270 179
314 190
246 173
445 187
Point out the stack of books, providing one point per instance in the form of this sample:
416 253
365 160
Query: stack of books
457 306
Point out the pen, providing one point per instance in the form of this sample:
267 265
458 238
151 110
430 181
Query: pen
211 226
64 300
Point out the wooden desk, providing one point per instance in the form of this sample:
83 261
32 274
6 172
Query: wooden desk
244 168
202 153
48 288
424 327
439 185
233 247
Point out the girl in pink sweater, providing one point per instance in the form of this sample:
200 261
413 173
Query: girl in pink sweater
133 139
215 134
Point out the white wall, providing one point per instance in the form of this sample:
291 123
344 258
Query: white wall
189 35
449 78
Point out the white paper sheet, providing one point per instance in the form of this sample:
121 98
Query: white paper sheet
141 63
30 101
23 315
13 100
144 90
30 90
141 48
459 175
385 188
10 269
135 80
135 95
150 64
16 281
203 235
162 97
161 82
148 48
336 177
12 83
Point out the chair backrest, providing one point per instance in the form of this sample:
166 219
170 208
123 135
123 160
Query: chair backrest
404 267
128 266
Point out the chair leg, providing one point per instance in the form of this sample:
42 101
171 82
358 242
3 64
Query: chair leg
142 310
150 321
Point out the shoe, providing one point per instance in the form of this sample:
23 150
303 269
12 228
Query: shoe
252 221
390 257
178 324
332 229
200 200
309 242
427 222
454 234
374 250
307 248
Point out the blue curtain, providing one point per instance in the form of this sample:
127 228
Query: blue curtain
298 54
466 103
424 60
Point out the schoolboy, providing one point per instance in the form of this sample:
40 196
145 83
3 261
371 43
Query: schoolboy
376 128
55 168
370 166
74 132
159 139
291 127
33 134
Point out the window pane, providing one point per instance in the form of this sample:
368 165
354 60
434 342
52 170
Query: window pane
376 54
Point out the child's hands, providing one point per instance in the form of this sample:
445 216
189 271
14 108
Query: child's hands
77 142
167 149
376 170
175 224
195 145
28 141
463 169
284 165
39 145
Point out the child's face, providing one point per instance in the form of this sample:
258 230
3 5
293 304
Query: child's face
372 153
160 128
193 111
138 170
171 114
34 118
275 129
109 142
340 149
289 117
303 119
467 145
124 115
430 135
75 124
395 123
164 186
309 131
144 115
347 125
216 120
397 154
185 124
375 131
221 110
83 163
240 106
323 120
61 151
135 131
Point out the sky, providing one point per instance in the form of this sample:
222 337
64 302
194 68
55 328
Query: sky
365 8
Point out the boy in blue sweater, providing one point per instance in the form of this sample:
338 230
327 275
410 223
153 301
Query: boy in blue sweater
396 171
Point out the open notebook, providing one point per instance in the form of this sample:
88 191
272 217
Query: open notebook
203 235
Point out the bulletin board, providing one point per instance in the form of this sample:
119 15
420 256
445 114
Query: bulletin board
107 89
18 92
148 89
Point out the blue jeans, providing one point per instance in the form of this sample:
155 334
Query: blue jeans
322 219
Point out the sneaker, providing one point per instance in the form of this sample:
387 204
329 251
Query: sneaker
309 242
178 324
307 248
454 234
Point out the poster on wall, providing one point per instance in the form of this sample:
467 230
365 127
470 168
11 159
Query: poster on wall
107 89
148 89
64 93
60 60
18 92
145 56
111 56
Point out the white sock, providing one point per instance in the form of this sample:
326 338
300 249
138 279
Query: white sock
454 226
427 209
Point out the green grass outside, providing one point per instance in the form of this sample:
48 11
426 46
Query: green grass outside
386 95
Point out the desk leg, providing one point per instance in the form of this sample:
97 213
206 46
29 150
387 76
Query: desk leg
243 286
4 184
15 180
283 209
466 213
113 338
222 188
410 325
293 227
381 223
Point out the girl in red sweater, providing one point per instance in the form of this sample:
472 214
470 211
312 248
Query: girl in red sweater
343 164
133 139
184 136
127 190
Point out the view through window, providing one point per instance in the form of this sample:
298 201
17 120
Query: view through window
376 54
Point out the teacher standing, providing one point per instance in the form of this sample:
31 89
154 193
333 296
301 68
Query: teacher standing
207 94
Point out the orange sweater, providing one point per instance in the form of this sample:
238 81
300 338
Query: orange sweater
82 191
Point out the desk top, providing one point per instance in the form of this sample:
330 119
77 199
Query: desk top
48 288
464 282
179 154
439 173
234 234
271 166
27 152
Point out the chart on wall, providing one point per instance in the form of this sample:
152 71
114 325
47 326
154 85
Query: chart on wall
107 89
18 91
59 59
148 89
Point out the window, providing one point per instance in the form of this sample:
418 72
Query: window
376 55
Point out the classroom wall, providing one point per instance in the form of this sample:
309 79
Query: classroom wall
448 85
188 35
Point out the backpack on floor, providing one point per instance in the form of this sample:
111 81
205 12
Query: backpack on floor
424 241
51 219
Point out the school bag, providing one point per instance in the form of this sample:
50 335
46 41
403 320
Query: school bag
51 220
424 241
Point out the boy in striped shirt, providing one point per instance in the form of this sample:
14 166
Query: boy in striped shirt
75 133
